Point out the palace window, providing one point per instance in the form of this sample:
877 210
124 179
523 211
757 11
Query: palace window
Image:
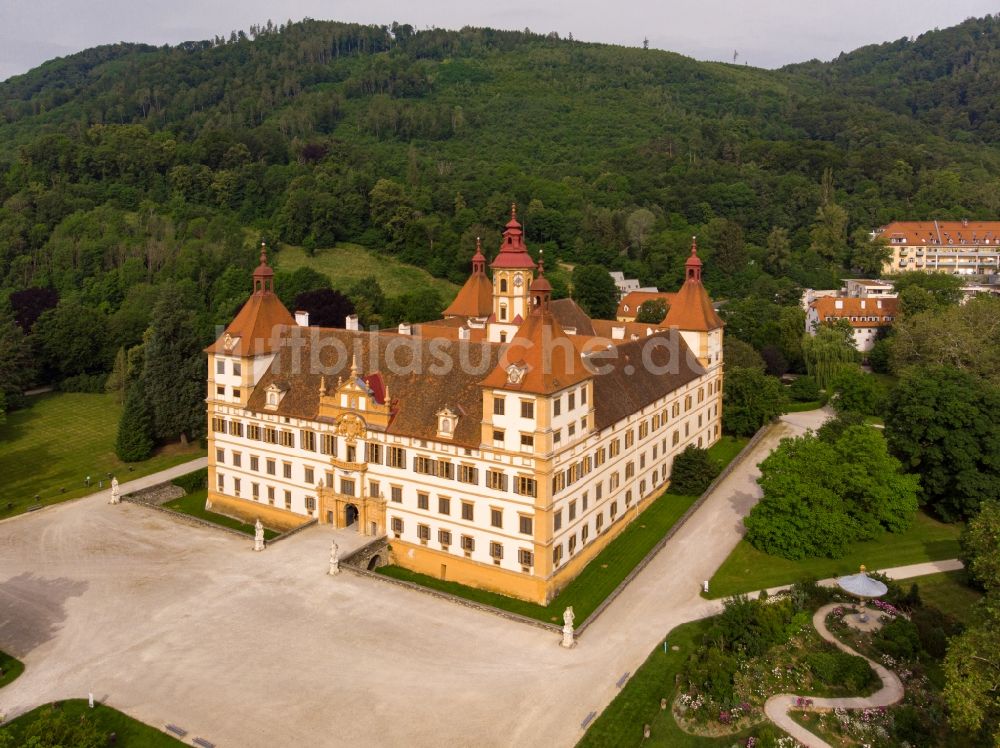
468 511
352 453
255 491
220 366
220 482
397 457
496 480
236 486
496 517
613 481
497 437
572 544
397 526
468 543
600 456
526 486
525 557
557 554
373 453
423 501
288 499
444 538
557 436
628 497
446 469
255 463
236 393
219 425
498 404
629 438
286 470
423 465
237 369
558 482
525 525
270 495
220 456
496 550
676 438
220 390
270 435
599 491
557 520
527 409
468 474
424 533
583 395
527 440
310 476
643 430
571 400
572 510
583 499
600 522
615 448
287 439
237 459
236 428
503 312
396 493
444 505
271 467
347 487
571 430
584 533
557 406
614 509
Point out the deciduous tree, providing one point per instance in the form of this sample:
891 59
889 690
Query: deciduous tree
750 399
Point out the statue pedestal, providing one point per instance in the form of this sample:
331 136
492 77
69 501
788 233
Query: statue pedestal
334 569
568 640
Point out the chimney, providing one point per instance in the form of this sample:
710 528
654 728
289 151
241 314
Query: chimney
862 303
351 323
463 333
302 318
617 333
878 303
838 304
404 328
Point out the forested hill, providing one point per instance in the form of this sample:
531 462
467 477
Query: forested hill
948 79
126 167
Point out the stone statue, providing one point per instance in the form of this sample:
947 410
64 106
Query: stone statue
334 558
568 617
258 536
115 496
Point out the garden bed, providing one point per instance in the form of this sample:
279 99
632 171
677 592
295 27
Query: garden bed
74 723
193 505
10 668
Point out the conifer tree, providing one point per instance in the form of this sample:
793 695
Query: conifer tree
135 428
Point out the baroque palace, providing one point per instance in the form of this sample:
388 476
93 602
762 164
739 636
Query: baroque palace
502 446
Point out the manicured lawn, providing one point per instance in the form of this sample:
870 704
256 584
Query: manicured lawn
10 668
194 505
638 703
726 449
795 407
748 569
129 733
346 264
949 592
50 447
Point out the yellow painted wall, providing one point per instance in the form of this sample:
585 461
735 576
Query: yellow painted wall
424 560
248 511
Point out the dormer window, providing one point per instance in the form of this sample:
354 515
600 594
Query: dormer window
447 422
274 394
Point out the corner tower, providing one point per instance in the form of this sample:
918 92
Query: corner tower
692 315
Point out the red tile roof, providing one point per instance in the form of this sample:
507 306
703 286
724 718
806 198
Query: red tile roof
826 310
942 233
630 303
513 252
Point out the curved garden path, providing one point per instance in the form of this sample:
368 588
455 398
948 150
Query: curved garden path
777 707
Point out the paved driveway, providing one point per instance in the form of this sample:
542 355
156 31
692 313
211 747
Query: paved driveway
177 623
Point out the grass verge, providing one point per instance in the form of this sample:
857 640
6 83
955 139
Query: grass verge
49 448
638 703
10 668
68 722
748 569
949 592
194 505
795 407
604 573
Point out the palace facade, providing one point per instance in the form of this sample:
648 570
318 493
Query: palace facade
955 247
502 446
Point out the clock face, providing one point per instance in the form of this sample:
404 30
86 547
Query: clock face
518 281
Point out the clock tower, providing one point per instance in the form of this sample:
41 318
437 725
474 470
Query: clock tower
513 273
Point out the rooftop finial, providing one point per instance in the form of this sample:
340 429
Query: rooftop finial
541 261
263 253
513 211
694 245
354 366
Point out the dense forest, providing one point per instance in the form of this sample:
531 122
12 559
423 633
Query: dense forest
135 178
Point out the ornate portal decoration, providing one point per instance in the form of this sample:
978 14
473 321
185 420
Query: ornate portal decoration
227 342
515 374
351 428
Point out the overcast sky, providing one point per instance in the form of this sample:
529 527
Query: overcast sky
766 33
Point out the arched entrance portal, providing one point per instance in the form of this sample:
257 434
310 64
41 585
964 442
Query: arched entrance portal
350 515
375 562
